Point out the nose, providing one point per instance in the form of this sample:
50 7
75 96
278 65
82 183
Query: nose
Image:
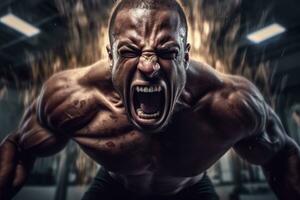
148 65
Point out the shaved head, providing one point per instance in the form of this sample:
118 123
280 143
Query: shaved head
148 48
171 5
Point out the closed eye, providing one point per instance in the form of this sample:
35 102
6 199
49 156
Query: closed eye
129 54
168 54
129 51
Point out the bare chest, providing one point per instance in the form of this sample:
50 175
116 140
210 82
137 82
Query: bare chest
186 147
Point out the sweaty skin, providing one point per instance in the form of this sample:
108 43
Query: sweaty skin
202 114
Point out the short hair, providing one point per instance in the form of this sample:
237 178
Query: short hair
151 5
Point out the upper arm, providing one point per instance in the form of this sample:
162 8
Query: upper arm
68 102
34 138
240 112
42 130
256 128
262 146
236 109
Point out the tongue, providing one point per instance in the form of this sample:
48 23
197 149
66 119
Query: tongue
150 103
148 109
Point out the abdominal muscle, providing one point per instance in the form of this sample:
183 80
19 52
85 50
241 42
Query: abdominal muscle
154 183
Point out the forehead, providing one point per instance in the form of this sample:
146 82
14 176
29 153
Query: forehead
147 24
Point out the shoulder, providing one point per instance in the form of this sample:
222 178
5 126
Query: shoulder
67 99
88 75
201 78
236 106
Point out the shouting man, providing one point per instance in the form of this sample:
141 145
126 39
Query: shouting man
151 117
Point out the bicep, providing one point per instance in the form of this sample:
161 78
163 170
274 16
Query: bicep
266 143
237 110
36 139
243 117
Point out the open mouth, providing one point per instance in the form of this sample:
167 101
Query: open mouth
148 103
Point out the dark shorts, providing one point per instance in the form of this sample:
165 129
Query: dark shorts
104 187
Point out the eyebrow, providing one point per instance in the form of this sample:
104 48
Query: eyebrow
169 44
165 41
128 43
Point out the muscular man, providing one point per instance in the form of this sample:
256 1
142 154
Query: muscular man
151 117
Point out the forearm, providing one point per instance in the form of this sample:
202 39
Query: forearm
14 167
283 172
18 153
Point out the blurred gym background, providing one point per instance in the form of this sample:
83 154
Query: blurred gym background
257 39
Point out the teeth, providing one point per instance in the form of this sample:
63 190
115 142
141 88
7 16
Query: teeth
139 112
147 116
148 89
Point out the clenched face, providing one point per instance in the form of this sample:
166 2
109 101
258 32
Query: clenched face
149 60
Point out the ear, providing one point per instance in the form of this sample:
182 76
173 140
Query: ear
109 53
187 55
